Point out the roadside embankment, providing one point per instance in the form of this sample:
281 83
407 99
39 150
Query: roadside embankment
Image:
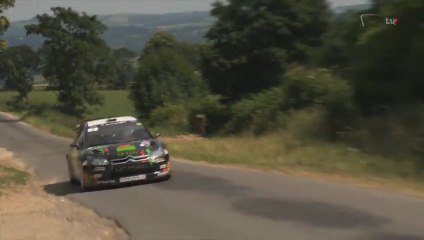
27 212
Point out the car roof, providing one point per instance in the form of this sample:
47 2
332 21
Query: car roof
105 121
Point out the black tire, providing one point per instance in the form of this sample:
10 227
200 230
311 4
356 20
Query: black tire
73 181
83 187
166 178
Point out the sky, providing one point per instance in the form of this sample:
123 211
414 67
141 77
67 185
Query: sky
26 9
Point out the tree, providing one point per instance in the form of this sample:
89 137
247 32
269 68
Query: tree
75 54
164 76
124 60
18 66
388 60
4 22
339 43
252 41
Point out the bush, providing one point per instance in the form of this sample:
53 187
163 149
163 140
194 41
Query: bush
398 133
216 113
164 76
172 118
304 88
309 87
307 124
257 113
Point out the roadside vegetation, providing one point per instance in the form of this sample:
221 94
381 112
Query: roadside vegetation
10 176
283 152
22 200
42 113
333 97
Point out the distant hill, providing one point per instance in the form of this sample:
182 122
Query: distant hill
131 30
358 7
134 30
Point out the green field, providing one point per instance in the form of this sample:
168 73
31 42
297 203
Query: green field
281 152
42 113
278 151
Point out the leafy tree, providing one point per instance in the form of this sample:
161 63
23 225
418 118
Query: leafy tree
253 40
388 60
75 54
4 22
164 76
124 60
124 53
160 40
339 43
17 66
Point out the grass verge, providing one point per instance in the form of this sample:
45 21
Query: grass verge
42 114
281 152
10 172
11 176
278 151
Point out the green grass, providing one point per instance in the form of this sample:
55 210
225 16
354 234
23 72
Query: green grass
281 152
42 114
278 151
11 176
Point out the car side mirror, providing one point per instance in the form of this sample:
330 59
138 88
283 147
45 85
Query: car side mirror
75 145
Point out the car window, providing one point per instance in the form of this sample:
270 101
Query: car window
116 133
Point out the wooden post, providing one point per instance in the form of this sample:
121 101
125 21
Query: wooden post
200 124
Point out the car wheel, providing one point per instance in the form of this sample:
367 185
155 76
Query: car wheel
83 185
167 178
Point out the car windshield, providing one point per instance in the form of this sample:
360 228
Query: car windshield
116 133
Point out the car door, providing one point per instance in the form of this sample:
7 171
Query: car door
74 152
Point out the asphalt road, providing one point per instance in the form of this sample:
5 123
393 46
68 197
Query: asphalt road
208 202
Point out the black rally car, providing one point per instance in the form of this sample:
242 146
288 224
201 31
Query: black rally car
115 151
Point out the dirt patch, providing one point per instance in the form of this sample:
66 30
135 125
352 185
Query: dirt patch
27 212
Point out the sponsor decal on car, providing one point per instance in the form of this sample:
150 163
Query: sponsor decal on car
93 129
103 150
126 149
132 167
133 178
145 152
105 181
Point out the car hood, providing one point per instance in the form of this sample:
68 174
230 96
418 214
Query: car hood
145 148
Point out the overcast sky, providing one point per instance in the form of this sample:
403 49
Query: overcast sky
26 9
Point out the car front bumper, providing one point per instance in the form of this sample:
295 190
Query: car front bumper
110 177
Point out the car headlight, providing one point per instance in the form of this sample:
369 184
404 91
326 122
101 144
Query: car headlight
99 162
96 162
159 159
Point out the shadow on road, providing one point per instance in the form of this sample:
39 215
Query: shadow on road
2 120
66 188
61 188
311 213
